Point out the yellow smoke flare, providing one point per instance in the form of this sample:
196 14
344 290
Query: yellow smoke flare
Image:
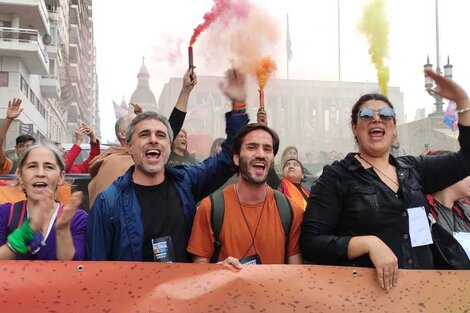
374 25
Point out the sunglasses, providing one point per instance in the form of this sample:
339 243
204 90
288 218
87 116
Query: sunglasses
385 114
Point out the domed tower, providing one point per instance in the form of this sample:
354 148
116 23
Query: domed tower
142 94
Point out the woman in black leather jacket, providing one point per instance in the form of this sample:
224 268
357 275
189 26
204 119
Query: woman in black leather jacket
359 210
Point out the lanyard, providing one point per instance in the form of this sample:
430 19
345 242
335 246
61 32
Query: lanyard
51 223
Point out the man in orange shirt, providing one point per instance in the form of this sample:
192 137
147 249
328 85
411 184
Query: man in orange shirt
252 229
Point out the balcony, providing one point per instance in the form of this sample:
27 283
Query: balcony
34 12
50 86
27 45
53 52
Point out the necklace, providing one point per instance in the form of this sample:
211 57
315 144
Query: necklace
396 183
252 235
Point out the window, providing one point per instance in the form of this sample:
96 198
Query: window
32 96
42 111
24 86
37 103
3 79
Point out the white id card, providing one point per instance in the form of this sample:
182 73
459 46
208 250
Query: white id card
420 233
464 240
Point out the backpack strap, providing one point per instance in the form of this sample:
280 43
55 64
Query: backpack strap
17 214
217 219
285 213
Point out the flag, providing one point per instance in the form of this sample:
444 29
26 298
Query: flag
118 111
288 42
450 116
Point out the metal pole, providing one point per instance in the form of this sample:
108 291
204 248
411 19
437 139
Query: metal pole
339 44
287 53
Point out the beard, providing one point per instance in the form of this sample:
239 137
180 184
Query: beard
249 177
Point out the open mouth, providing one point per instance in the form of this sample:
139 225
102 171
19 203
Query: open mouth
376 133
39 186
153 154
259 167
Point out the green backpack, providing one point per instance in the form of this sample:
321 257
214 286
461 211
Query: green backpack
217 218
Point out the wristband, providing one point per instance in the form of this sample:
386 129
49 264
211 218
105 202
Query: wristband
19 239
239 108
461 111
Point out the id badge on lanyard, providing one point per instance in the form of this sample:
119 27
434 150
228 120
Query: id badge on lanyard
420 233
163 249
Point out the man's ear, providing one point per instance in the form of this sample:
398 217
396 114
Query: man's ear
236 159
122 135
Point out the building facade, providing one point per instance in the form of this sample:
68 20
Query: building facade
36 65
312 115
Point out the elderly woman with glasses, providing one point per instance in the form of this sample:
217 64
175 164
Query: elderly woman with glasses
370 208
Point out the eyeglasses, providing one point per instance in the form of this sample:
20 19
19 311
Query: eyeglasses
385 114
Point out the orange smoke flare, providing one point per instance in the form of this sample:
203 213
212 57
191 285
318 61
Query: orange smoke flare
219 7
265 67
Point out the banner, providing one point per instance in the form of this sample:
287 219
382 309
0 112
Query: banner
55 286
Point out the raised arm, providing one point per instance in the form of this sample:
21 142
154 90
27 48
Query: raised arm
449 89
212 173
440 171
178 114
76 149
13 111
83 167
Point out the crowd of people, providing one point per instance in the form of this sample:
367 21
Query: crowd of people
152 202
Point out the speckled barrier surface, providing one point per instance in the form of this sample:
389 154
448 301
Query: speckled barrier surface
42 286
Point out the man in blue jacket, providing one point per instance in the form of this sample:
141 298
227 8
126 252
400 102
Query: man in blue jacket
147 213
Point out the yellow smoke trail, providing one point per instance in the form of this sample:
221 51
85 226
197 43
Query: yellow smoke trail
374 25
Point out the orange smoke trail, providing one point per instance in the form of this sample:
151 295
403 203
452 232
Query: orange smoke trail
219 7
265 67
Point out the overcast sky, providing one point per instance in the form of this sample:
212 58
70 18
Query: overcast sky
125 31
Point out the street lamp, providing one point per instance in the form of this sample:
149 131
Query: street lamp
429 83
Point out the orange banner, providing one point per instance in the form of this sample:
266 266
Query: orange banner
53 286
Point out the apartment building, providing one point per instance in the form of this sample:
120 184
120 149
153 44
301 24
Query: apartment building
47 58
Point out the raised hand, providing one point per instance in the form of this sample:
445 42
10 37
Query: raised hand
446 87
80 133
189 79
90 133
41 213
137 108
65 217
261 117
14 109
234 88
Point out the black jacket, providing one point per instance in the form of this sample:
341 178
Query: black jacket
348 200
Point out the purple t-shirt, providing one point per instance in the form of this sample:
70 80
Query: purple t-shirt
48 252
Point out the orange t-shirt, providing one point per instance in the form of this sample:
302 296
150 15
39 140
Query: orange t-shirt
269 239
